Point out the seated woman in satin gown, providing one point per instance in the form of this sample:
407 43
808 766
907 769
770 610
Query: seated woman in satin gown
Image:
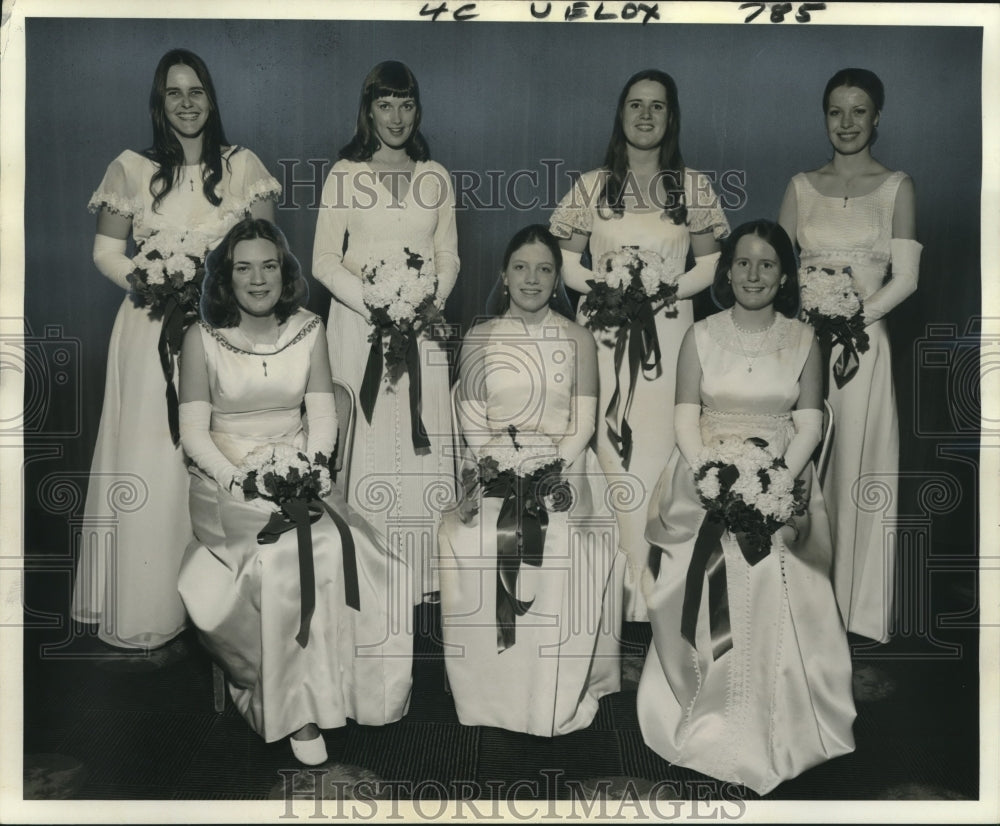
779 700
246 370
541 671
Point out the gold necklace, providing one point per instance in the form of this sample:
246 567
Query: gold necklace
760 347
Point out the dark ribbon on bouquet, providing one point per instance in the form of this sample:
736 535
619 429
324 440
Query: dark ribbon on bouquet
708 561
643 345
301 514
521 526
171 337
373 378
847 362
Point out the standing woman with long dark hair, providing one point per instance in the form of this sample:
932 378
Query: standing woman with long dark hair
192 180
855 212
645 197
388 213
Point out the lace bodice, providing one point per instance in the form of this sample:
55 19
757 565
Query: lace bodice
750 383
125 191
855 233
652 230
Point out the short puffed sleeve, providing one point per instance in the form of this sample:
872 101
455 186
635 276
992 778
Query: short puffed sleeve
704 212
575 212
118 191
251 180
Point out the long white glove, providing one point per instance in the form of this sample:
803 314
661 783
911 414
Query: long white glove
687 430
905 272
808 433
580 431
195 418
474 424
110 258
575 275
699 277
321 410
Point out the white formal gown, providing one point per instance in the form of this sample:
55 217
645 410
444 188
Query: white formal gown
138 487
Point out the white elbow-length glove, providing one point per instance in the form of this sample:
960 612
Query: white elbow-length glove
808 433
575 275
578 437
687 430
905 273
110 258
699 276
194 419
321 410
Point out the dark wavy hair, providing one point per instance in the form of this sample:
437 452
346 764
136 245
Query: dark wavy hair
166 150
388 79
787 299
218 303
498 301
863 79
671 163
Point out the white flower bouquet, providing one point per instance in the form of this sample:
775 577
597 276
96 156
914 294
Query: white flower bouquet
280 473
400 292
531 465
627 279
169 268
751 491
832 305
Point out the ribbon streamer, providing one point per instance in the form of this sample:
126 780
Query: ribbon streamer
521 526
847 363
418 433
373 378
171 336
300 514
708 560
640 339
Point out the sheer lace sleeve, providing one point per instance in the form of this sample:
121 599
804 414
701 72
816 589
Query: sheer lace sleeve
575 212
117 191
251 180
704 210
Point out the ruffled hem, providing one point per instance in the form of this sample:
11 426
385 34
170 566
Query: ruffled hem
264 190
118 204
567 220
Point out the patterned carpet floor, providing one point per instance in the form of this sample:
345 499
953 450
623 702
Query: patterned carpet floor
100 726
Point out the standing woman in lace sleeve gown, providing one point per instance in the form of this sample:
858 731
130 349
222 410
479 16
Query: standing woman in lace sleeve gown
191 179
643 196
383 196
855 212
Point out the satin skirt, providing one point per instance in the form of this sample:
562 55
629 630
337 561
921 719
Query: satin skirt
244 598
862 490
566 651
780 700
136 521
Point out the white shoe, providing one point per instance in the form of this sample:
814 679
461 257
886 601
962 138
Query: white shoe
311 752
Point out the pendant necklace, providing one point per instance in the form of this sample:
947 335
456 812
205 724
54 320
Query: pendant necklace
253 348
765 335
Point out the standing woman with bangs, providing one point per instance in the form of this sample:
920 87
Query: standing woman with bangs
191 179
643 196
385 198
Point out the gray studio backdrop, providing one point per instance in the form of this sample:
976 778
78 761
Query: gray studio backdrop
498 98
